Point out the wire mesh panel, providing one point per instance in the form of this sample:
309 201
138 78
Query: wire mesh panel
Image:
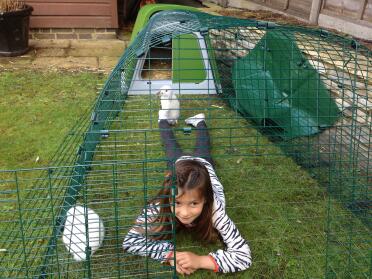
34 225
289 115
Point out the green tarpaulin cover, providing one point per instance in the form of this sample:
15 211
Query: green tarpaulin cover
277 86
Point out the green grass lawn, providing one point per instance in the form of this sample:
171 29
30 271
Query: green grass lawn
277 206
37 109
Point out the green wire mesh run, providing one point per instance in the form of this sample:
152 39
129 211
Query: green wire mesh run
290 127
36 203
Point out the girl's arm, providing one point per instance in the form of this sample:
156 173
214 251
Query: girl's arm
137 243
237 255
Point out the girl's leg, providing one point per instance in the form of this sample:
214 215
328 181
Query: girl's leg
172 149
203 143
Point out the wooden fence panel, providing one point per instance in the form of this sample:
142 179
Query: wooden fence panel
300 8
74 14
353 9
277 4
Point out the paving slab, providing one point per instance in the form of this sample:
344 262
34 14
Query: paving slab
36 44
110 48
51 52
104 44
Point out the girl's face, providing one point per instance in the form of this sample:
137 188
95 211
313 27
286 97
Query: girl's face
188 206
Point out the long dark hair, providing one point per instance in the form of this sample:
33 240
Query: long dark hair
190 174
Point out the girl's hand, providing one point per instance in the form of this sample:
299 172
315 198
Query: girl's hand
188 260
191 262
181 270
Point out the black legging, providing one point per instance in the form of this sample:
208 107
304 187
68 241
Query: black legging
172 148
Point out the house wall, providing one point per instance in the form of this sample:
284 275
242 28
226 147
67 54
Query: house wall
74 14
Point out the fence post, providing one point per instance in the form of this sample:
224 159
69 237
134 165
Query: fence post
286 4
362 9
314 13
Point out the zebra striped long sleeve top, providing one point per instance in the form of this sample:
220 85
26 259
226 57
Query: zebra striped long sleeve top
235 257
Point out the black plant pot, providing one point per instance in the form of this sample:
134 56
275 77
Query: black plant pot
14 28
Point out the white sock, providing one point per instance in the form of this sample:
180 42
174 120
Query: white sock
194 120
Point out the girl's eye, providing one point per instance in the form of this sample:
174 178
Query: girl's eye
194 204
177 203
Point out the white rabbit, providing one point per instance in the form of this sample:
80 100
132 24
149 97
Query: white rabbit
75 236
170 106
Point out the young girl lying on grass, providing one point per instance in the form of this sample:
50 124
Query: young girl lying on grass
199 209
